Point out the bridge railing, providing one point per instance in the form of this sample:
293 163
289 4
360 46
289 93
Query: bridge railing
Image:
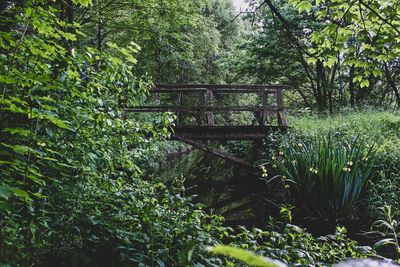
206 100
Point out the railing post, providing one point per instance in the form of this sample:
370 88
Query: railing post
202 110
280 112
210 115
264 114
179 100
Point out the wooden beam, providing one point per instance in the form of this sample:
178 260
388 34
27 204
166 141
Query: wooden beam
204 108
226 132
235 91
213 151
224 86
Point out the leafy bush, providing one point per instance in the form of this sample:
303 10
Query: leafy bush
383 191
324 178
387 228
295 246
63 135
120 223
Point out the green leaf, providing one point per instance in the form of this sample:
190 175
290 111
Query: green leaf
5 192
364 83
84 3
20 193
312 60
383 242
68 36
358 78
304 5
58 122
377 73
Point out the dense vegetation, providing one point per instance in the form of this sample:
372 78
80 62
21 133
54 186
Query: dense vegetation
84 183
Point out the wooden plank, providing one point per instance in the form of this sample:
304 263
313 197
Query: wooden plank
213 151
204 108
156 91
224 86
251 132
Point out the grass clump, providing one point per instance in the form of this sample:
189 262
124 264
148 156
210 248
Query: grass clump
378 128
324 178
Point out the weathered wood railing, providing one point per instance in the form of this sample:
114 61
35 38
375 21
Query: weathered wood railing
206 96
206 128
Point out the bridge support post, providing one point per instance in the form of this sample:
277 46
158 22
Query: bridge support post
280 111
202 110
264 115
210 115
179 100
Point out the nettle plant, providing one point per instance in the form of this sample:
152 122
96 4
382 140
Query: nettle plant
322 177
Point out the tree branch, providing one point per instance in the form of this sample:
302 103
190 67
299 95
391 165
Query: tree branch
379 16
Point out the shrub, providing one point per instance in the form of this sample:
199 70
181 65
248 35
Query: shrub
293 245
383 191
322 177
119 223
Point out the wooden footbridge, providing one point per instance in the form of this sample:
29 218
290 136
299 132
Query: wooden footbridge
200 111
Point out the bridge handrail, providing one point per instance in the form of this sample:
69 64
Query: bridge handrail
206 98
224 86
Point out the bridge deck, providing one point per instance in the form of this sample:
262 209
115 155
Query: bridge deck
225 132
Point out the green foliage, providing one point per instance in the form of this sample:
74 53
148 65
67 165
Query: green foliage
378 128
72 161
295 246
291 245
388 229
370 26
124 223
383 191
322 177
63 128
73 189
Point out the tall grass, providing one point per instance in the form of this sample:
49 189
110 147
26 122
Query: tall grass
323 177
378 128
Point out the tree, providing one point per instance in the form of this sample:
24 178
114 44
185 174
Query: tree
278 51
365 34
61 125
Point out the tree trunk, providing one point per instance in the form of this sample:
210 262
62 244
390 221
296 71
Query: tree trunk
330 87
351 85
321 92
393 85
